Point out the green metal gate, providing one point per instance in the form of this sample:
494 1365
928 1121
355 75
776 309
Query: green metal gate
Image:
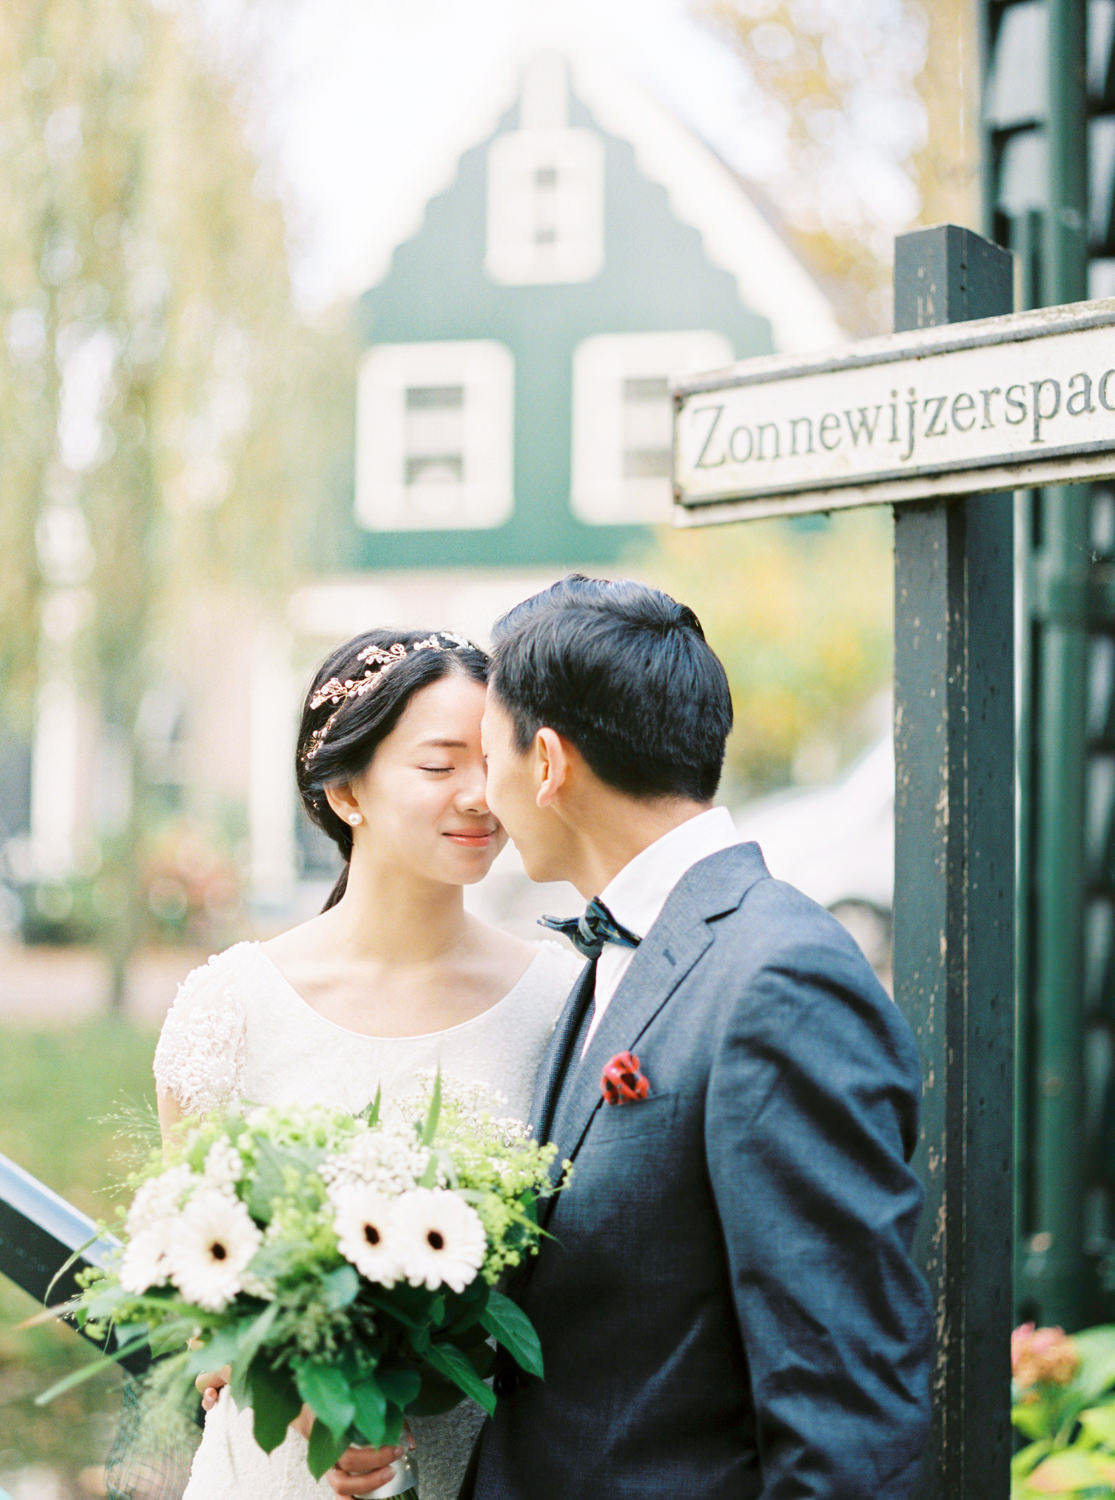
1049 180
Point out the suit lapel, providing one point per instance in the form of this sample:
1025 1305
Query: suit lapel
663 959
556 1058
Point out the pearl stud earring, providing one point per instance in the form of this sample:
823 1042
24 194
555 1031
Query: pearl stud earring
355 818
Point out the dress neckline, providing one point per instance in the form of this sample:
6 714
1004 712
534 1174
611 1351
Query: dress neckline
420 1036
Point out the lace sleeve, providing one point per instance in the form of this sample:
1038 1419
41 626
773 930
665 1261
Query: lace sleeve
199 1059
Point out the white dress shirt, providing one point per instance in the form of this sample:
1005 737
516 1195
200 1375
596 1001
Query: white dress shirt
636 896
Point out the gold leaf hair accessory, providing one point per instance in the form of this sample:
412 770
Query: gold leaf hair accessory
378 661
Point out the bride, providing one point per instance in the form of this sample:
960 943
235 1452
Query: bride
391 979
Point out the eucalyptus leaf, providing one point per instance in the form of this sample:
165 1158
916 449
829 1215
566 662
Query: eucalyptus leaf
340 1288
220 1350
399 1386
451 1363
326 1447
325 1388
370 1413
507 1322
275 1403
251 1340
267 1180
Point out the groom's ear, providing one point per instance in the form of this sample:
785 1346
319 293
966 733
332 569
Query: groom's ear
552 757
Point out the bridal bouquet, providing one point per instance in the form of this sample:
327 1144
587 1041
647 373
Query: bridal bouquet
348 1263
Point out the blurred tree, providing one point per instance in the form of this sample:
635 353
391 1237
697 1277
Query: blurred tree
800 612
149 376
871 111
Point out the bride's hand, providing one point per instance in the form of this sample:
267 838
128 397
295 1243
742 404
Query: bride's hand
359 1471
209 1384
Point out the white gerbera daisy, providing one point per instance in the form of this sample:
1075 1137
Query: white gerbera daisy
442 1240
209 1244
144 1263
365 1223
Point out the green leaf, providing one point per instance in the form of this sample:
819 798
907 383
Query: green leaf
220 1350
274 1401
393 1427
371 1112
1068 1472
1033 1419
399 1386
340 1287
78 1377
251 1341
1098 1423
451 1363
1026 1458
1096 1348
370 1417
326 1447
267 1180
429 1130
326 1389
507 1322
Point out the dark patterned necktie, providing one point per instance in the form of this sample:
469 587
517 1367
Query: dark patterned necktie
589 932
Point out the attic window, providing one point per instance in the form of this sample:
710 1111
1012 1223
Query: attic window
434 435
623 420
545 206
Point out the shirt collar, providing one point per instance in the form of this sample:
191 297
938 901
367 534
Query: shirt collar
636 896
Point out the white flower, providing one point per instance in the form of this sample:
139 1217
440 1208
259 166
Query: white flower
209 1244
442 1240
366 1234
383 1159
158 1199
144 1262
223 1165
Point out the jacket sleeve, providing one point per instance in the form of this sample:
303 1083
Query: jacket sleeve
810 1123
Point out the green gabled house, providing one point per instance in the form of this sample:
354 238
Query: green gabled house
512 407
512 415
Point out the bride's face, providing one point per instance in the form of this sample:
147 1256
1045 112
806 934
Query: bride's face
422 796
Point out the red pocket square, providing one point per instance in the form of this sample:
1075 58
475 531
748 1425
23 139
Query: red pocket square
622 1082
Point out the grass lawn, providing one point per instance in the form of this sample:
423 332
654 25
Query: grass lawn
58 1090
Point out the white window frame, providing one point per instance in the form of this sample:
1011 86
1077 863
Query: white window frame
602 494
514 255
484 495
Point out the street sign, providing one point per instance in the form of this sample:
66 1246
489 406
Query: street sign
1001 403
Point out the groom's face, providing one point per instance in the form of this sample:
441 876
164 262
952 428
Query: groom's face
511 791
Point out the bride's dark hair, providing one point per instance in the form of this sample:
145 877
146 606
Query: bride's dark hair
356 698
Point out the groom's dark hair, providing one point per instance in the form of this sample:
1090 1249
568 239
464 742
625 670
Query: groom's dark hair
624 672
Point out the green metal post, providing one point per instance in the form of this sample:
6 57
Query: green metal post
954 895
1054 1267
1067 224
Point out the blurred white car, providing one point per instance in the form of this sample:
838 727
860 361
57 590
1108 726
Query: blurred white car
836 843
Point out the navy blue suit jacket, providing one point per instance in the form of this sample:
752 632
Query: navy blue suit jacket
727 1307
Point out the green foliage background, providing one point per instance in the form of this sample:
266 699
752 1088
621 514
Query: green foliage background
62 1092
801 613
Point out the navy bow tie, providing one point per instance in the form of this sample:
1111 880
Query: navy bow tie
588 933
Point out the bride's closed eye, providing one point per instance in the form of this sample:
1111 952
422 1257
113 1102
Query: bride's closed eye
440 770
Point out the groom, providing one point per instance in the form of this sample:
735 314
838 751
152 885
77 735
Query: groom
727 1307
726 1301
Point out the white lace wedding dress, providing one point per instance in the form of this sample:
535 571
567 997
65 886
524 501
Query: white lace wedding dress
238 1030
